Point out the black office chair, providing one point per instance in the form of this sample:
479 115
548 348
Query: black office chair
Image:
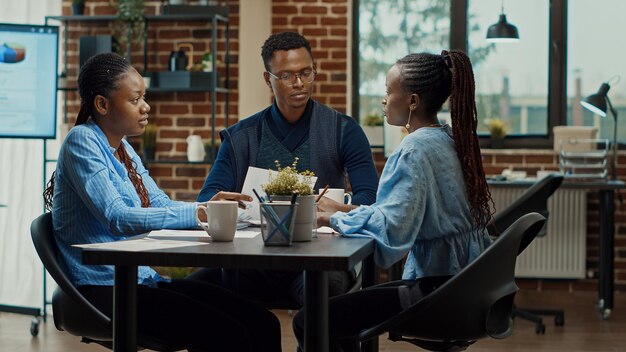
534 199
473 304
71 311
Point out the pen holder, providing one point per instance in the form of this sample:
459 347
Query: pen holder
277 223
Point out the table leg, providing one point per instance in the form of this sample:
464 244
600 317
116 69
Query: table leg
369 279
607 246
316 304
125 309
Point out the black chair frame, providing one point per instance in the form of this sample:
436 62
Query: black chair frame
534 199
72 312
473 304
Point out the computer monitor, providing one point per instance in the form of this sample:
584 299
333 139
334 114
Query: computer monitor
28 80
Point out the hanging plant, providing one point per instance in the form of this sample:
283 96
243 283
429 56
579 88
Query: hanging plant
130 25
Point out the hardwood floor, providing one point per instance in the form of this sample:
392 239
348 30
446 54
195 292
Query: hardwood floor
583 330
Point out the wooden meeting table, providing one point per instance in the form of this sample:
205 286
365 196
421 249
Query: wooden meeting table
324 253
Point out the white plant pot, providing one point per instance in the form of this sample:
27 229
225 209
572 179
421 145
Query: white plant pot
306 217
374 135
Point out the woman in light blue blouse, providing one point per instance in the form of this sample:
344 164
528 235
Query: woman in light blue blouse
101 192
432 203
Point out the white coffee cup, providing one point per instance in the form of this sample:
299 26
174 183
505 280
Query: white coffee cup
221 222
338 195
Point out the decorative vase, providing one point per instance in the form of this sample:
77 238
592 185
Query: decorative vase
374 135
195 148
306 217
496 142
78 9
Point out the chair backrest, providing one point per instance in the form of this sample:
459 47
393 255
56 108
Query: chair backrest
474 303
534 199
72 312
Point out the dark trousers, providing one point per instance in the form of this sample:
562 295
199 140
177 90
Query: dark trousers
197 315
269 286
349 314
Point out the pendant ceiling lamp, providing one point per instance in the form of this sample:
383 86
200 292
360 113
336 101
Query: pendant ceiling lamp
503 31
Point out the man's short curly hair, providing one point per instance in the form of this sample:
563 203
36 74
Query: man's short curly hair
283 41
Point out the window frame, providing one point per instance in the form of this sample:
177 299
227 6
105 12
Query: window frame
557 69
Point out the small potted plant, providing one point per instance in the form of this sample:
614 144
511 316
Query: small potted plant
129 26
148 139
497 130
373 127
283 184
78 7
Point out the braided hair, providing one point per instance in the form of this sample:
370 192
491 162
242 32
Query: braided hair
100 75
435 78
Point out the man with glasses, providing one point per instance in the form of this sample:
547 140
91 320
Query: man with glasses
327 142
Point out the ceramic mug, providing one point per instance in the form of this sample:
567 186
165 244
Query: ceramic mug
338 195
221 222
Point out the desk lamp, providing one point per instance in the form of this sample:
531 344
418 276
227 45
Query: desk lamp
503 31
597 103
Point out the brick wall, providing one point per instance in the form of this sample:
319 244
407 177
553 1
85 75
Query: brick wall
176 114
325 24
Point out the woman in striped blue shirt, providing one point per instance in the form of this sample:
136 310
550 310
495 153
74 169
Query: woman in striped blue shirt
101 192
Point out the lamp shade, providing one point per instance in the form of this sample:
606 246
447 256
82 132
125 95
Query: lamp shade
596 103
502 32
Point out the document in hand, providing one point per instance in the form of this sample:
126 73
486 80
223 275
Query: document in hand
255 178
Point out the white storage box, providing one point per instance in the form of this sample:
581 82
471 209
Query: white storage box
567 133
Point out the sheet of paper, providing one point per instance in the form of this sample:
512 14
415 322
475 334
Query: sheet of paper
255 178
195 235
326 230
247 234
143 244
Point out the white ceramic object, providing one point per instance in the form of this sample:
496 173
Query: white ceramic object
338 195
221 222
195 148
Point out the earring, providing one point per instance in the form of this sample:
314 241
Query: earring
408 123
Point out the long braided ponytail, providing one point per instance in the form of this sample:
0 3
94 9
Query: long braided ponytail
435 78
100 76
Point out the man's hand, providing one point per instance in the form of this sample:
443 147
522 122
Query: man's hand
240 198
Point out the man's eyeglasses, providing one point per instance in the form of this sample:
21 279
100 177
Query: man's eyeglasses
306 76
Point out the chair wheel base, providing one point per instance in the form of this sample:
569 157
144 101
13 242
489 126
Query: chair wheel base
34 327
540 329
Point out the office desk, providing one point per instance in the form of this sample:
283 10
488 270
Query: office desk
606 193
316 258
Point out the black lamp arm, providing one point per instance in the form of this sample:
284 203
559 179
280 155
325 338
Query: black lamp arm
614 160
613 111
